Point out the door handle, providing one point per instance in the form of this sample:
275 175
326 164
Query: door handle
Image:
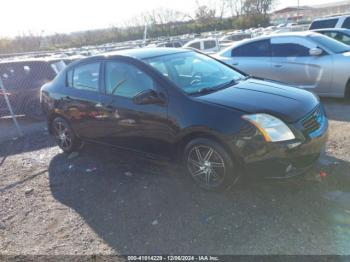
277 66
235 64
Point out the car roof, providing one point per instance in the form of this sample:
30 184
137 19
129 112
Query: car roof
331 29
137 53
259 38
145 53
331 17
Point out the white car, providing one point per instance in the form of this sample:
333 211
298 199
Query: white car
207 45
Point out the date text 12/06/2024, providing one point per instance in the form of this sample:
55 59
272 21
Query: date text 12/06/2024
173 258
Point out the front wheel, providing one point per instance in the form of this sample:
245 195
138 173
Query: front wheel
65 136
209 165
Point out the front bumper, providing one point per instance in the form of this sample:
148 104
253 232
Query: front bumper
281 161
285 159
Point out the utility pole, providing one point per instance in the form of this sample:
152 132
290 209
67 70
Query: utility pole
298 12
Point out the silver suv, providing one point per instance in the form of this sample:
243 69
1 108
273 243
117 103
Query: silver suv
305 59
342 21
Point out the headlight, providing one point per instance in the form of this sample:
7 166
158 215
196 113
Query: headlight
271 127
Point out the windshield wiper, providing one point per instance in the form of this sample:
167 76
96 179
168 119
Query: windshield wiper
207 90
226 84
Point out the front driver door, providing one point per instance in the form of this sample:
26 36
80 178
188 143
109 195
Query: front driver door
292 64
141 127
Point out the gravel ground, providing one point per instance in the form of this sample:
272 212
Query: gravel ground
106 201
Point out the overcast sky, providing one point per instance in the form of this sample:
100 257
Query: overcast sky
48 16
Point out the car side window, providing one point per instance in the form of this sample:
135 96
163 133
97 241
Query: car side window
126 80
346 23
342 38
328 23
86 77
209 44
196 45
329 34
255 49
289 50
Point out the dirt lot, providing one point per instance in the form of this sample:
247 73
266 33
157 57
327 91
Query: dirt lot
50 204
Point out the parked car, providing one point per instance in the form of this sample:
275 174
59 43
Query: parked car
340 34
170 102
22 80
304 59
207 45
175 44
234 37
342 21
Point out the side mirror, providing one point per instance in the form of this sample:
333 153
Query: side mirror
315 51
147 97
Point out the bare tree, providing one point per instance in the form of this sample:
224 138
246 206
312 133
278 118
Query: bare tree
252 7
234 6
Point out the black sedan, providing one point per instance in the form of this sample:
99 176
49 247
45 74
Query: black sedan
181 103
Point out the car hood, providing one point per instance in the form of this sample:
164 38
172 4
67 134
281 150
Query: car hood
260 96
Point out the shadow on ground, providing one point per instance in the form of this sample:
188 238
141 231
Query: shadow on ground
337 109
35 137
141 206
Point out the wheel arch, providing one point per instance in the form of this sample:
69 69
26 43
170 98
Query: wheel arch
52 116
190 135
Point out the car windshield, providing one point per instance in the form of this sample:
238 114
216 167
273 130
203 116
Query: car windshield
194 72
329 43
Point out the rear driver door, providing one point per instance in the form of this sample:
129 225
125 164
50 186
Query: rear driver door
293 64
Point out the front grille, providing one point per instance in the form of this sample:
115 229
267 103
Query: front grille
313 121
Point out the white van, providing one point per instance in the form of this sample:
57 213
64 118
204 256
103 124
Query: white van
342 21
207 45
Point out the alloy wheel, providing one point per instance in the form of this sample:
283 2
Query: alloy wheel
63 135
206 166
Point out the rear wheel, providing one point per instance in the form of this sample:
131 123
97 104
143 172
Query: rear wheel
209 165
65 136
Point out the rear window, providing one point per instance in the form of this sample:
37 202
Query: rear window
346 23
327 23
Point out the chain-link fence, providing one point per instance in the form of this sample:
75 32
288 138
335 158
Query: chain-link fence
5 101
21 77
20 82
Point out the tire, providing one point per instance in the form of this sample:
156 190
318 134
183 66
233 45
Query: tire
33 110
347 92
64 135
200 155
